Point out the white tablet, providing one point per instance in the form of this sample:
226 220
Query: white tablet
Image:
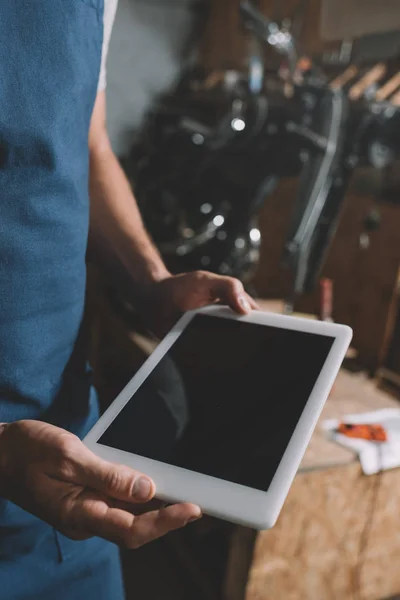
221 413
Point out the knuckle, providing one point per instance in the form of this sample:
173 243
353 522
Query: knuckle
200 275
115 481
67 446
64 467
236 285
70 518
66 456
130 538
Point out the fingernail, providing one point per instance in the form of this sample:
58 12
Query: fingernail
142 489
244 304
195 518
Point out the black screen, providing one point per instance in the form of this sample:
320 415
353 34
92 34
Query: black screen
224 400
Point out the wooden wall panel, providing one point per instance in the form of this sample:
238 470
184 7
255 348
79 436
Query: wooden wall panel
224 43
364 280
354 18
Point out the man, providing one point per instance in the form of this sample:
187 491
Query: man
53 141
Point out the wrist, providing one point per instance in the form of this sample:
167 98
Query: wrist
143 268
154 274
144 286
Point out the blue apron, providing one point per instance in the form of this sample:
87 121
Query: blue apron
50 52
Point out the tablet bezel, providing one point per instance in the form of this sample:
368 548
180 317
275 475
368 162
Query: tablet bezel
219 498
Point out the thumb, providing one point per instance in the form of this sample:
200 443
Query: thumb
114 480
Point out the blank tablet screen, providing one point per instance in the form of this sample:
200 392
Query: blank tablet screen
224 401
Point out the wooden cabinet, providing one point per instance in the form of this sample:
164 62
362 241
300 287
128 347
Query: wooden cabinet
389 371
364 279
224 42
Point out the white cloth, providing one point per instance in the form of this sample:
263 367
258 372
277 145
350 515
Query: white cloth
110 8
374 456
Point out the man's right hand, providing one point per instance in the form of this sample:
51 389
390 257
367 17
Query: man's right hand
50 473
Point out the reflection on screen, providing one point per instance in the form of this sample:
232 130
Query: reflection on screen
224 401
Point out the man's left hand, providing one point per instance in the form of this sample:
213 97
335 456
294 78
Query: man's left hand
167 299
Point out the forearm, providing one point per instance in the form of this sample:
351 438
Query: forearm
117 234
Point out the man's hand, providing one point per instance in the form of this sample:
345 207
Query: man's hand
167 299
51 474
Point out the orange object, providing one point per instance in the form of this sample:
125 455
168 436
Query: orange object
372 433
304 63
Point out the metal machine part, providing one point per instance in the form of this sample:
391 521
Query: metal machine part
209 162
275 35
321 177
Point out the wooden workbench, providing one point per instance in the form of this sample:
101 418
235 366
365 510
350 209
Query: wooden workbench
337 538
339 531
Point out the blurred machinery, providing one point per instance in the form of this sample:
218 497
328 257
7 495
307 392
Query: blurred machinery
213 151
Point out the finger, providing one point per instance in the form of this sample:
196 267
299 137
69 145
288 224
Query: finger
139 509
230 291
121 527
153 525
113 480
254 305
91 514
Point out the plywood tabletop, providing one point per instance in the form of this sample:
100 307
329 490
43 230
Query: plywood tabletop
353 393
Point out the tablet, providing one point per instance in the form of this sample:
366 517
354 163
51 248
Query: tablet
222 411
